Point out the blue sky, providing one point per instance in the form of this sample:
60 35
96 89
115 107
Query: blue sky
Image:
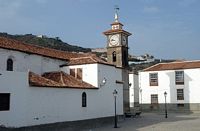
167 29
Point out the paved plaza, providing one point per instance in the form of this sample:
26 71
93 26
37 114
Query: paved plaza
157 122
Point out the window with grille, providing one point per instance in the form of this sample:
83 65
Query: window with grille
4 101
153 79
154 98
179 76
180 94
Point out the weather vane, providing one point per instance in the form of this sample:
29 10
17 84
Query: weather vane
116 13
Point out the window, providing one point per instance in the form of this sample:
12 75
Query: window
180 105
4 101
77 73
153 78
84 99
125 58
9 65
114 58
179 76
154 98
180 94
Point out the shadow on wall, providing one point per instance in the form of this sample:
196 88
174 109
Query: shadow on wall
174 104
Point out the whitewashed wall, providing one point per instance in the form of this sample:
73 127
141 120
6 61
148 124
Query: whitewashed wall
134 89
24 62
166 82
36 105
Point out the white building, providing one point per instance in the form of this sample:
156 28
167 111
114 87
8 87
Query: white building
41 86
181 82
134 89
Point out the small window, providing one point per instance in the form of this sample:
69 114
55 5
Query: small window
180 94
154 98
179 76
125 58
77 73
114 56
9 65
153 78
84 99
180 105
4 101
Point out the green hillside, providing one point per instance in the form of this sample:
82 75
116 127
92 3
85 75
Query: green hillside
54 43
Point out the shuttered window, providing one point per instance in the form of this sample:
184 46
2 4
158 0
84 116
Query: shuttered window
179 76
180 94
154 98
77 73
153 79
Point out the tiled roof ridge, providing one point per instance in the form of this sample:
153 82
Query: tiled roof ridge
174 65
13 44
33 45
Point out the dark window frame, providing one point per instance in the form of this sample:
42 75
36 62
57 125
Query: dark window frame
4 101
153 79
84 99
9 66
114 56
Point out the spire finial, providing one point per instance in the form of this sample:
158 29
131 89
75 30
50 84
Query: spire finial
116 13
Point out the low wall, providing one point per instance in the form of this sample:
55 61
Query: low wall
183 107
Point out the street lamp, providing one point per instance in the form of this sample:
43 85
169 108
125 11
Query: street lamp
115 96
165 94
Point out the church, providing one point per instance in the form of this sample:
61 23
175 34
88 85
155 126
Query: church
43 86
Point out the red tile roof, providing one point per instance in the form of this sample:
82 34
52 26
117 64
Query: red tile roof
37 80
27 48
57 80
90 59
174 66
75 58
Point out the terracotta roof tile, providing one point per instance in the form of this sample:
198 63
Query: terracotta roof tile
27 48
37 80
174 66
90 59
67 80
57 80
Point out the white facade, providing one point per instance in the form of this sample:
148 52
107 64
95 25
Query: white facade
166 82
22 62
40 105
134 90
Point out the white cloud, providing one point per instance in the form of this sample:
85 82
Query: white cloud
150 9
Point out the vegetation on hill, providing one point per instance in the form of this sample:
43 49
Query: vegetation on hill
44 41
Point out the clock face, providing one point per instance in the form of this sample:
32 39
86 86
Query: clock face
124 40
114 40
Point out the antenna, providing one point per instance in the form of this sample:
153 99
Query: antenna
116 13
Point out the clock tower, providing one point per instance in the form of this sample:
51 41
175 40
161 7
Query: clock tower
117 44
117 54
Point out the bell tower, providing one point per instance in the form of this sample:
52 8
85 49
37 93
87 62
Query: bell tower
117 54
117 43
